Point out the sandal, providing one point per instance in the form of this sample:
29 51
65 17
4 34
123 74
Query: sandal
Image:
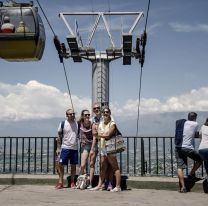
183 190
73 186
102 188
59 186
96 188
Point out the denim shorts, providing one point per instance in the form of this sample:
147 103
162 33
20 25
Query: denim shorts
67 154
182 155
204 154
87 147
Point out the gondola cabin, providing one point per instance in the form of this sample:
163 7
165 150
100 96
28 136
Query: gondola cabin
22 34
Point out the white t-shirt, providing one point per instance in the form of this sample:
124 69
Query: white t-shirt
190 128
204 137
70 131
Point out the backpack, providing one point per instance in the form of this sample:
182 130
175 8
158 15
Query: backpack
82 182
62 130
179 132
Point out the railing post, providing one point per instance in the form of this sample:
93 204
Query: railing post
10 154
142 158
135 148
127 161
54 155
28 153
171 157
4 158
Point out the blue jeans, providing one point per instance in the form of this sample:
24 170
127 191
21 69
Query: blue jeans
204 155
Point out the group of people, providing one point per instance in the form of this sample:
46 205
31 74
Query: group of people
186 149
92 133
8 27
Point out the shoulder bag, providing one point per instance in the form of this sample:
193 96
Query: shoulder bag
116 143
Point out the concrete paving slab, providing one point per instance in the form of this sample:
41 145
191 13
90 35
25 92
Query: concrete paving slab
43 195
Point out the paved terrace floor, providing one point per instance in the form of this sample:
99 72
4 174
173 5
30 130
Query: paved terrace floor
39 190
45 195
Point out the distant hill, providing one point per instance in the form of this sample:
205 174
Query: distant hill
46 127
156 124
149 125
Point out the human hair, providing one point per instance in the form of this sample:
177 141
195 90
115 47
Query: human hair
192 116
68 110
81 119
6 19
206 122
106 108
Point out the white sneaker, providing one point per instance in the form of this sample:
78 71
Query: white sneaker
89 187
116 189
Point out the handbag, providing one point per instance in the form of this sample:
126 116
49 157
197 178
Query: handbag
116 143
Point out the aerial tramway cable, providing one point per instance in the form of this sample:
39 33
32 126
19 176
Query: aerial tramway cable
142 56
46 18
140 78
58 47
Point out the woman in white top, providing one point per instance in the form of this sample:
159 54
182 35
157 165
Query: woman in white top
106 129
203 147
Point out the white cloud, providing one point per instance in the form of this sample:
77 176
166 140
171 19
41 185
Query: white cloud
195 100
152 28
180 27
35 101
39 101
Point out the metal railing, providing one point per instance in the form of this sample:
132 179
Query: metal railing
150 156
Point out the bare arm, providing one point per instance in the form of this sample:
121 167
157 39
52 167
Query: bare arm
58 140
108 134
94 133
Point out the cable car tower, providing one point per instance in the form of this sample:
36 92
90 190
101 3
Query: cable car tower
101 59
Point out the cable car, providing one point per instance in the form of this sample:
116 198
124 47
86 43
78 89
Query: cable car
22 33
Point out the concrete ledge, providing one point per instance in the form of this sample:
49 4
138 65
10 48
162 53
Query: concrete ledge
27 179
157 183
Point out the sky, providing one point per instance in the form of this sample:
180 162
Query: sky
174 77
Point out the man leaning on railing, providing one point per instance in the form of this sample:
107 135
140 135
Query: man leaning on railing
185 150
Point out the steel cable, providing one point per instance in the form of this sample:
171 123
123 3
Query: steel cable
65 73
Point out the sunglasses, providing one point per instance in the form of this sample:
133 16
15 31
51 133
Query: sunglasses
70 114
96 108
86 115
106 112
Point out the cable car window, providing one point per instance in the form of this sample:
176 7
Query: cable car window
41 27
20 17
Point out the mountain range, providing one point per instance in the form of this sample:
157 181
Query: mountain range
156 125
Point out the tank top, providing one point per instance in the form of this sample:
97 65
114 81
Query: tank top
86 136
